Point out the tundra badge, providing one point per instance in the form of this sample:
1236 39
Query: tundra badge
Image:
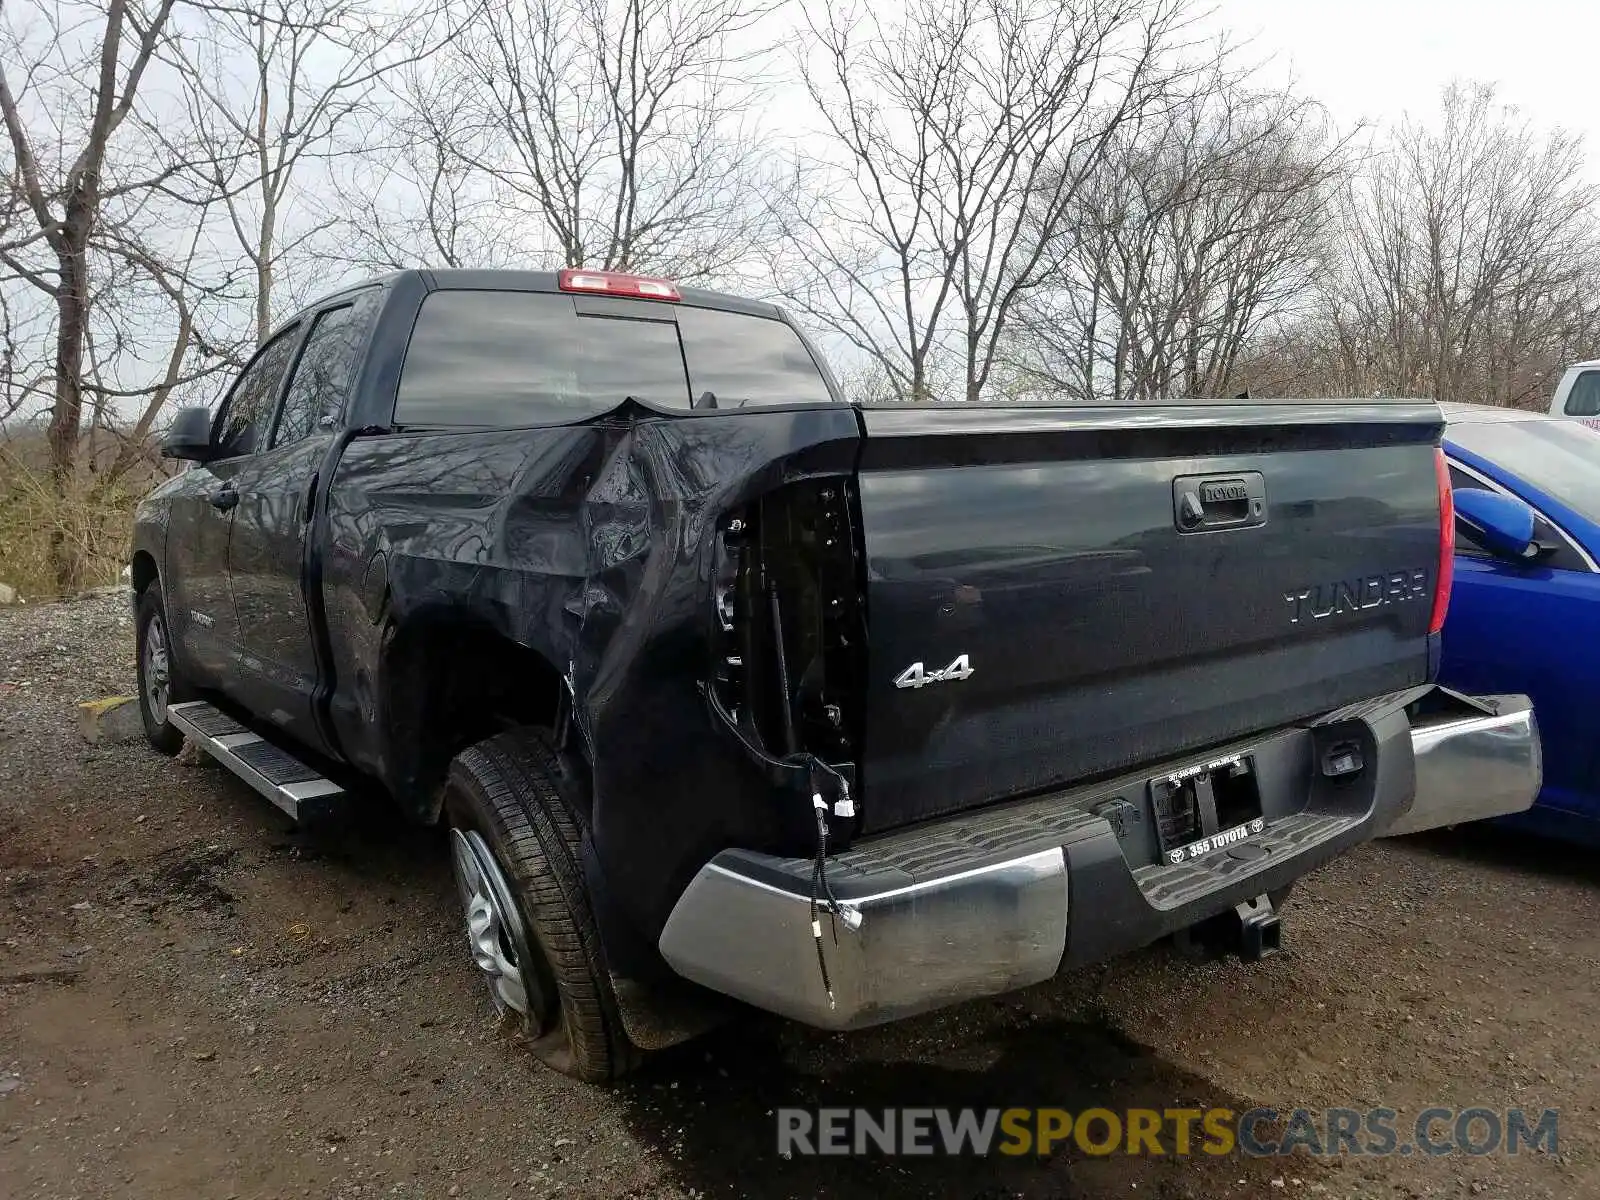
1321 600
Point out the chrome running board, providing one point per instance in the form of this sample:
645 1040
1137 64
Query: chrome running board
297 789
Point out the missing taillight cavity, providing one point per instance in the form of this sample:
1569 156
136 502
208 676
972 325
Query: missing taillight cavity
1447 544
733 637
787 620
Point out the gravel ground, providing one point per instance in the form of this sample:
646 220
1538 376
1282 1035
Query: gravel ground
246 1010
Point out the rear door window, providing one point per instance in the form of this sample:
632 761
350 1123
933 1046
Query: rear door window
326 369
491 359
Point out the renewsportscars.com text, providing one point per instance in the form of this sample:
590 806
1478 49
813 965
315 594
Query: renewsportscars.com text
1257 1132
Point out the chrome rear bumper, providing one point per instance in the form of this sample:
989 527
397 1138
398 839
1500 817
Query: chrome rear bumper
899 952
982 904
1482 760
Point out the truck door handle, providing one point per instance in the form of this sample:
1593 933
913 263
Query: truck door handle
224 498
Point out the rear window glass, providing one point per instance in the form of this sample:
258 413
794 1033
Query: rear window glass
744 360
1560 458
527 358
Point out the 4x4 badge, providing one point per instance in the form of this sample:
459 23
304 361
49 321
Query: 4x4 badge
917 675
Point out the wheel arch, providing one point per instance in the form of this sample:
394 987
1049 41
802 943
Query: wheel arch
449 680
143 570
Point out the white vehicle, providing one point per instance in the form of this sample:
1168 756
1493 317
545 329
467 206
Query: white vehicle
1578 393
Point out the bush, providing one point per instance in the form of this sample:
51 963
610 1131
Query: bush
93 522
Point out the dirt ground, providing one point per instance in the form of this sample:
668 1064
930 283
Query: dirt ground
249 1011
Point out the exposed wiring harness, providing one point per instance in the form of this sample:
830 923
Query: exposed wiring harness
822 894
820 775
821 887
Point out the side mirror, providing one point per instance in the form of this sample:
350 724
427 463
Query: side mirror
1503 524
189 435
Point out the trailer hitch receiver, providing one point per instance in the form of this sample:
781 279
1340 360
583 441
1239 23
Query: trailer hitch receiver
1259 933
1249 929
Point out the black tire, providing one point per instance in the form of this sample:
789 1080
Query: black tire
515 792
156 696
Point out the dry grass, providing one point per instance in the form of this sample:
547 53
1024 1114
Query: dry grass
93 521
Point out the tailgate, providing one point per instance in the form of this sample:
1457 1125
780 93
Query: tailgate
1055 594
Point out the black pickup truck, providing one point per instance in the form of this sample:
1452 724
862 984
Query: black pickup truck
725 687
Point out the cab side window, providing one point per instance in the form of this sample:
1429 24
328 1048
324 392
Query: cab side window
327 368
248 409
1584 398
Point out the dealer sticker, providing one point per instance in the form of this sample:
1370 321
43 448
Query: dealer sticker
1217 841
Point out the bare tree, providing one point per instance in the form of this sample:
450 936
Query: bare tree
1193 233
269 84
60 135
612 133
420 200
157 302
21 381
1471 261
951 123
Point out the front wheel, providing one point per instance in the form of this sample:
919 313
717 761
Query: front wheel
160 684
514 841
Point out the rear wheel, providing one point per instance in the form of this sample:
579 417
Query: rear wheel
160 684
512 807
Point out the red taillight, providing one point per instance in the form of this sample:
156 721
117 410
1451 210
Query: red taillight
616 283
1447 544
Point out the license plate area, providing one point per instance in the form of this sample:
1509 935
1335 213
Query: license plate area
1205 808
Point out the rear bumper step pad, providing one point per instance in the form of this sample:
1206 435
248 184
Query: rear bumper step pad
297 789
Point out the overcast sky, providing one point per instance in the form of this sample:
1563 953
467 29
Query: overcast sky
1378 59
